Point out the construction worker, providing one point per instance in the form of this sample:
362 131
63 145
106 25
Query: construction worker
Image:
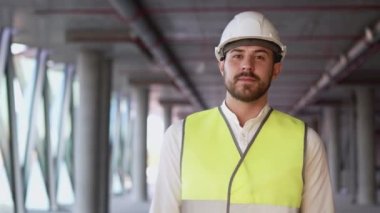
244 156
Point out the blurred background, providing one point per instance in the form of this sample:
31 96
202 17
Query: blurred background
87 88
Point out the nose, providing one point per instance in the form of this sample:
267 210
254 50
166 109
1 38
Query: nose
248 64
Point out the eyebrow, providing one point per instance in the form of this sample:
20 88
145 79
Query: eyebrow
256 51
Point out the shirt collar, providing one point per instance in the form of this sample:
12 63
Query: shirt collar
231 117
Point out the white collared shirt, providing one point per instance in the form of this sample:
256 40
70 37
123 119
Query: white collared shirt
317 194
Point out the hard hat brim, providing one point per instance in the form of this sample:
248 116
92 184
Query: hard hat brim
276 46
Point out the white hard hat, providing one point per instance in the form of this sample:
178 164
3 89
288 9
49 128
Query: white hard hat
249 25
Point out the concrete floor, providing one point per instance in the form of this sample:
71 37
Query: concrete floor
122 204
343 205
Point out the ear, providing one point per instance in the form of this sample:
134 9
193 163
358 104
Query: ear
277 67
221 67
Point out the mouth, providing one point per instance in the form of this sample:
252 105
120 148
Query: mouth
247 78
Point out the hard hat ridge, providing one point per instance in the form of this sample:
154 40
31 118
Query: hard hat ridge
249 25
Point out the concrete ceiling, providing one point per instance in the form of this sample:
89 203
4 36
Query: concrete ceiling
170 43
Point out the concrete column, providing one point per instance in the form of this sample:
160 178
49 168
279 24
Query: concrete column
351 131
330 135
92 145
314 123
345 140
139 162
167 115
365 148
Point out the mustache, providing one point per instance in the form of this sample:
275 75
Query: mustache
247 74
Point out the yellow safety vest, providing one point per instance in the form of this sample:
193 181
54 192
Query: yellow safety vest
217 177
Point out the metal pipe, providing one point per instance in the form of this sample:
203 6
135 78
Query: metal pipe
151 36
370 37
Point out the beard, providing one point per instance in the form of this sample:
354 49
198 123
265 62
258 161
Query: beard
248 92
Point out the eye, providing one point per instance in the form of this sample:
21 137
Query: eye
237 56
260 57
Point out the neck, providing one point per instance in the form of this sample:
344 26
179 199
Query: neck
245 110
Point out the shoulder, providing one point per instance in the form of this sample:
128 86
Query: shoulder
174 128
314 139
173 136
286 122
203 113
314 144
202 118
287 116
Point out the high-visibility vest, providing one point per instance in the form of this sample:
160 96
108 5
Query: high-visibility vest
217 177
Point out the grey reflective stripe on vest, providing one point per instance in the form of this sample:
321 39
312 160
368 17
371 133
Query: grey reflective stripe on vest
201 206
231 132
229 205
304 153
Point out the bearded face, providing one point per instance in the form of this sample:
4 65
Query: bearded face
248 72
247 86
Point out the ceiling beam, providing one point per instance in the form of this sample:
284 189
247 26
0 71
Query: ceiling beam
149 80
263 8
174 101
270 8
150 34
106 36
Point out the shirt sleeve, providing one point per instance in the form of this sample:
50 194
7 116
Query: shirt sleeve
167 192
317 193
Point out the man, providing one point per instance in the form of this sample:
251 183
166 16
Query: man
244 156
